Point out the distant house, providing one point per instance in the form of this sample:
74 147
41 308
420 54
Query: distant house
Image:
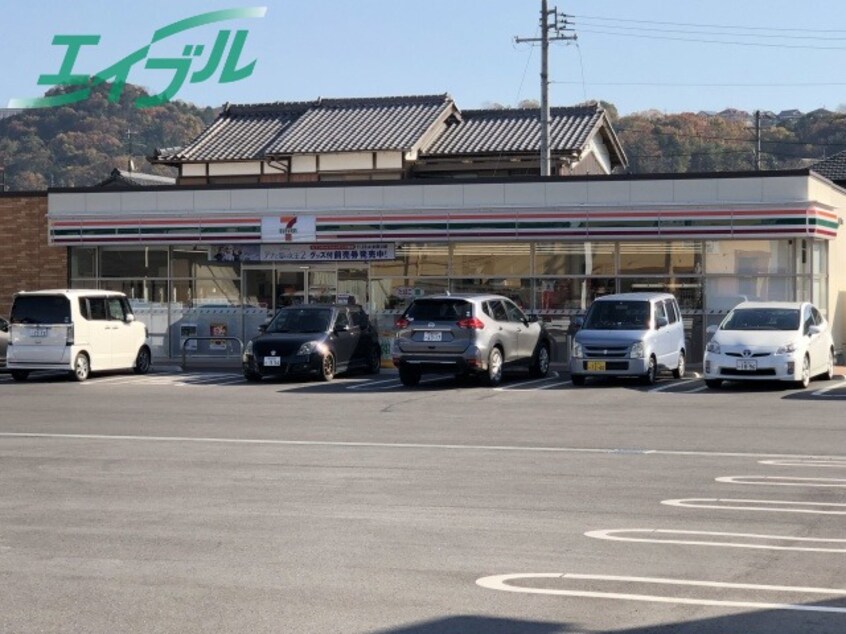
733 114
820 112
790 115
125 179
8 112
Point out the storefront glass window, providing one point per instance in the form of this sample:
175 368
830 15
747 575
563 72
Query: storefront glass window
477 259
688 290
519 290
83 261
395 294
660 258
322 287
189 261
749 257
578 258
724 293
820 266
413 260
133 262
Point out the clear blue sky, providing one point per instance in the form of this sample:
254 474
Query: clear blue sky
772 55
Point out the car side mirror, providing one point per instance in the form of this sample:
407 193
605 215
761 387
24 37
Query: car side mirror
711 330
578 321
262 329
661 322
814 330
532 319
129 318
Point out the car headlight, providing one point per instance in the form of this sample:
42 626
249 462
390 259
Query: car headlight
787 348
578 351
713 346
310 347
637 350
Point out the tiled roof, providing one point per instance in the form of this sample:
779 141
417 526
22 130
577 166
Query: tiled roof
517 131
124 178
253 132
833 168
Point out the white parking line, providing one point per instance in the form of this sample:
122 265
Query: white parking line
838 464
552 385
511 386
784 481
836 386
620 535
501 582
669 385
768 506
370 384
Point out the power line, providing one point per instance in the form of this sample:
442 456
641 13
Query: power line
709 85
712 26
723 42
780 36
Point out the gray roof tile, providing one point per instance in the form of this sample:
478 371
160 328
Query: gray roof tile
517 131
833 168
253 132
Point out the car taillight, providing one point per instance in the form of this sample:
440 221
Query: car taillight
472 323
401 323
69 339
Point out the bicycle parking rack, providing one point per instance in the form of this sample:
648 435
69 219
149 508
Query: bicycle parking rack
198 339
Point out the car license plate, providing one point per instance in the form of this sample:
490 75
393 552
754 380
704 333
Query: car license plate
596 366
272 361
38 332
747 365
433 336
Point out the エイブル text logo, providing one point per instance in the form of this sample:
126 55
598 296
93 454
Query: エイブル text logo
178 67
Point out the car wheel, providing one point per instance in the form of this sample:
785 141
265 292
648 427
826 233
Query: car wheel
578 379
494 375
327 367
805 380
142 361
714 384
81 367
409 376
252 377
374 363
651 373
678 373
20 375
829 370
540 362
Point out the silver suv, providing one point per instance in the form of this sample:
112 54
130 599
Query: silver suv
468 334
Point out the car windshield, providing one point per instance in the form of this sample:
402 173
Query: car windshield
618 315
41 309
762 319
301 320
439 310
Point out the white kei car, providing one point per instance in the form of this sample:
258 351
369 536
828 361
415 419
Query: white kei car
770 341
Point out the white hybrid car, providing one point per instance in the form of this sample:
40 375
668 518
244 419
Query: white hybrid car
770 341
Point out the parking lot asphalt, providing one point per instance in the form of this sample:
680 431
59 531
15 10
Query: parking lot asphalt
195 501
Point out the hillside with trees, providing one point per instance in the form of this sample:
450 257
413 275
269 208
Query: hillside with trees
656 142
80 144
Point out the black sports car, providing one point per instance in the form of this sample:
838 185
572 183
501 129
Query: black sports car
316 339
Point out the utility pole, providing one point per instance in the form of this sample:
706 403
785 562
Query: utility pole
130 165
758 140
560 25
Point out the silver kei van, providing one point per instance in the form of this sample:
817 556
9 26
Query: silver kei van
629 334
81 331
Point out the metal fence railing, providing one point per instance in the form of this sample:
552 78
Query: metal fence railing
228 355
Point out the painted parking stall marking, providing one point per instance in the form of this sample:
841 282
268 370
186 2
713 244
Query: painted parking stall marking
712 538
504 583
769 506
826 463
784 481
